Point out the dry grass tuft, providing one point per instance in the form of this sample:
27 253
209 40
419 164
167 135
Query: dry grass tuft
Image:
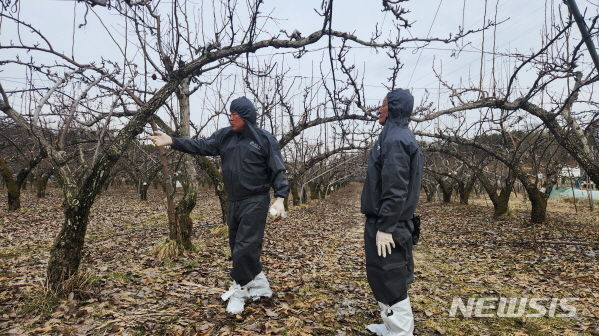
168 249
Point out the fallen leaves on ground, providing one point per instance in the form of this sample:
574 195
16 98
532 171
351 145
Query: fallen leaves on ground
314 260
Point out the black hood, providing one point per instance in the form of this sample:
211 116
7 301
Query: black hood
245 108
400 104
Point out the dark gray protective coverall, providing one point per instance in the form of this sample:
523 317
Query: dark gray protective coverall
251 164
389 197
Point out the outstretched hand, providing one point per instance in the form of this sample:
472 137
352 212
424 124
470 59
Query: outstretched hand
161 139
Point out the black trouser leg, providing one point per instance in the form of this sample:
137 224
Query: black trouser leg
389 277
232 223
246 233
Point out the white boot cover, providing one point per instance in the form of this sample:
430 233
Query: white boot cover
259 287
236 296
378 329
398 320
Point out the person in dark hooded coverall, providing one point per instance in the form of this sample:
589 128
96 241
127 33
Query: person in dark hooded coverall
389 197
251 164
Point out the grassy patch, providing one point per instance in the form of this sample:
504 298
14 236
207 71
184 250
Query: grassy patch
168 263
139 331
199 245
41 303
10 253
196 216
121 276
81 284
168 249
220 231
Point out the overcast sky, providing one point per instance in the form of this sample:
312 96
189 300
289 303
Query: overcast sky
521 31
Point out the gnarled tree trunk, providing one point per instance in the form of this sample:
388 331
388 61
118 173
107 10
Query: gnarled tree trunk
13 191
41 183
14 185
429 191
538 205
501 202
185 206
446 189
66 251
465 188
305 195
295 194
189 180
313 191
142 190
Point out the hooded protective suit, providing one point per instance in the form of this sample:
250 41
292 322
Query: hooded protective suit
251 164
389 197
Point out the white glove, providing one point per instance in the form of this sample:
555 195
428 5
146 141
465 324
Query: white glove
384 243
277 209
161 139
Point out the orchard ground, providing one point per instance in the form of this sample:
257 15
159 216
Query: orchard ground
314 260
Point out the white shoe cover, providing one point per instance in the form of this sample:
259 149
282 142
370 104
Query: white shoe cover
236 296
259 287
378 329
398 320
